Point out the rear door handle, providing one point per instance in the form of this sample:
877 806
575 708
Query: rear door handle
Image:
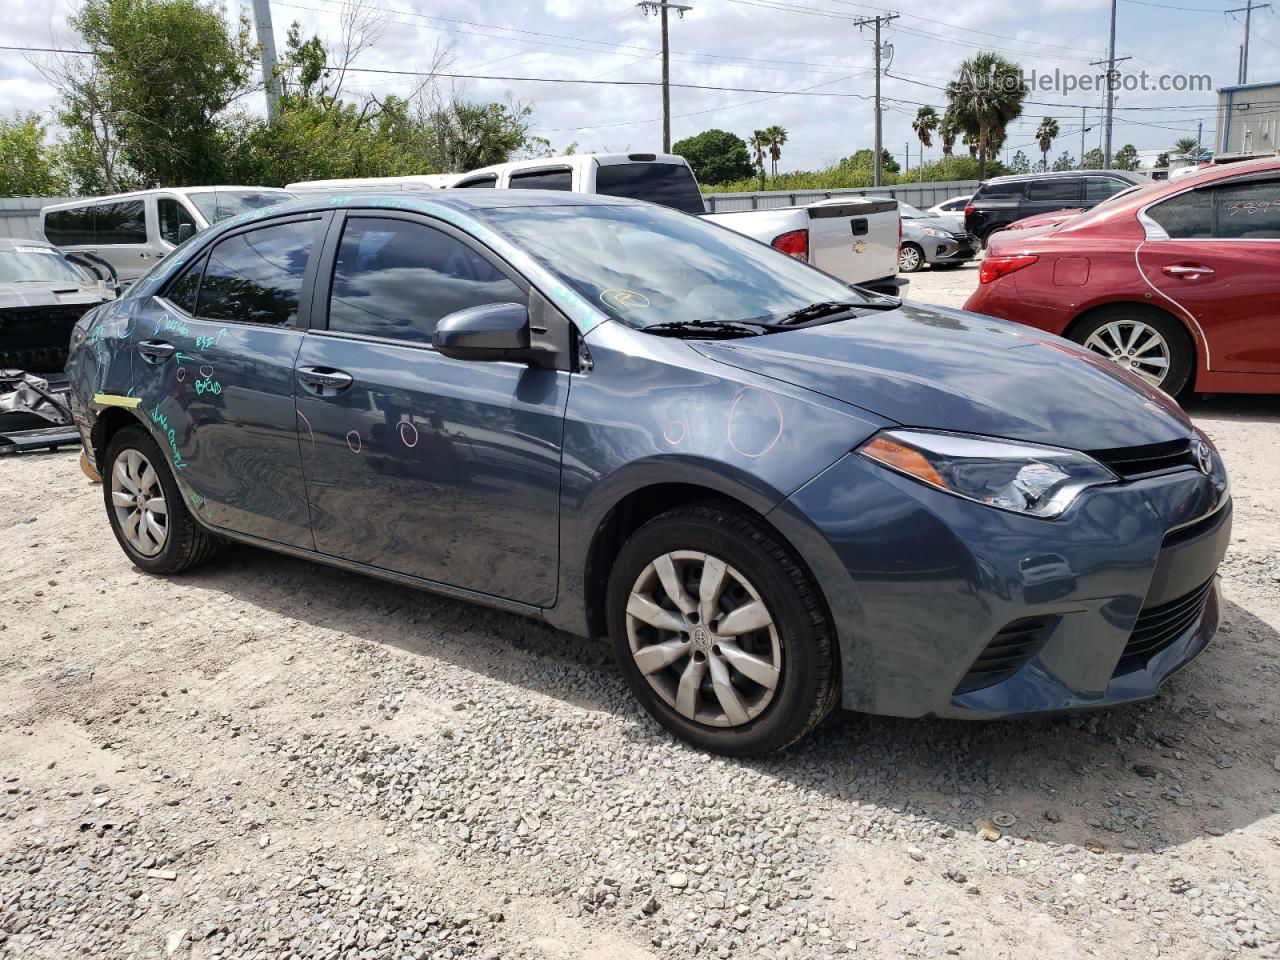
156 351
1189 272
325 381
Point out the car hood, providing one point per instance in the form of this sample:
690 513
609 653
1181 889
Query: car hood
950 370
48 295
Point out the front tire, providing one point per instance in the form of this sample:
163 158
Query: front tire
910 258
1147 342
145 507
721 632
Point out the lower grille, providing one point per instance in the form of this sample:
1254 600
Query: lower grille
1158 627
1007 652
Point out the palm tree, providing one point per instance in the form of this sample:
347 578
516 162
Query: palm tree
924 124
1045 135
1187 146
948 130
986 97
776 137
759 143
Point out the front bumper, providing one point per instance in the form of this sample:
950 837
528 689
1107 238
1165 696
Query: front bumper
949 608
951 251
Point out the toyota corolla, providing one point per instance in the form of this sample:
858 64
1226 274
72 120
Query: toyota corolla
773 492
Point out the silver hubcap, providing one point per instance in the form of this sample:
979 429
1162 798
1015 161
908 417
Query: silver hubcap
704 639
1135 346
138 500
908 259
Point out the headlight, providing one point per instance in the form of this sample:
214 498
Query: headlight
1020 477
930 232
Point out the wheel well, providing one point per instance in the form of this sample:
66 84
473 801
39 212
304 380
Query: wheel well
626 517
109 422
1133 307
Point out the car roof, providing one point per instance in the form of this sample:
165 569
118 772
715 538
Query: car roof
1059 174
463 199
135 194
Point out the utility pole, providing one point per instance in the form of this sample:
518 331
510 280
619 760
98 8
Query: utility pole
906 149
878 22
1084 128
1247 10
267 41
660 7
1109 102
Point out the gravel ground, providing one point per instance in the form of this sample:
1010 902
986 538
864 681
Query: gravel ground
272 759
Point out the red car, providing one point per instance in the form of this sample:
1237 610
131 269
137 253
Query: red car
1177 281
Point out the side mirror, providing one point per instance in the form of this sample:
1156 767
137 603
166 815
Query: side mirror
185 232
496 331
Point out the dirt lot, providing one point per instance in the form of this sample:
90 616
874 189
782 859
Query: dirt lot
272 759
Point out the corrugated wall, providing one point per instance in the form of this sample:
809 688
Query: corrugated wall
920 195
20 216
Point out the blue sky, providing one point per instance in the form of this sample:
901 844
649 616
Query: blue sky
768 45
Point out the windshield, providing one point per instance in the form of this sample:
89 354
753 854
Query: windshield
217 205
34 264
910 212
647 265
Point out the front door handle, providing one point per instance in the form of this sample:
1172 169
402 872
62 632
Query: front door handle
156 351
1188 272
325 381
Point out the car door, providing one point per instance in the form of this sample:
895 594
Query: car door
1215 252
443 469
123 240
216 349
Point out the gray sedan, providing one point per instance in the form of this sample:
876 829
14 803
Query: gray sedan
939 241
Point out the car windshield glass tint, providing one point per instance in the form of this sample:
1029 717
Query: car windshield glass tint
35 264
645 265
670 184
219 204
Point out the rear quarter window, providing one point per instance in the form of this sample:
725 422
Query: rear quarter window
542 180
122 222
998 191
669 184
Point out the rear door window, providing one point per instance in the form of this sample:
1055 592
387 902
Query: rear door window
122 222
1063 190
542 180
256 276
1188 216
67 228
1248 211
396 278
670 184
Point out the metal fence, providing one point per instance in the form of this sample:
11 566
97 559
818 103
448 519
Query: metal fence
20 216
917 194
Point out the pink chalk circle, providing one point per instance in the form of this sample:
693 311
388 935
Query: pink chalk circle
182 374
408 434
356 444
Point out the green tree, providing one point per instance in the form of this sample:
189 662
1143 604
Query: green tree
864 159
926 121
1046 133
1162 160
164 73
1187 147
948 130
716 156
29 167
1092 160
1064 162
777 138
985 98
1126 158
1020 163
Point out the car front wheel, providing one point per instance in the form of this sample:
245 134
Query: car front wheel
910 258
148 516
721 632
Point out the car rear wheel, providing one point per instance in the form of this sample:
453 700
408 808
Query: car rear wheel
910 258
1148 343
148 516
722 634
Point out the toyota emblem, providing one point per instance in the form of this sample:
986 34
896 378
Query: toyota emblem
1204 459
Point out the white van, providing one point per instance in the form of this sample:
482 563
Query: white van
424 181
131 231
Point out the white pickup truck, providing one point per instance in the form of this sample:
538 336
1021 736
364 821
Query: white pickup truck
853 238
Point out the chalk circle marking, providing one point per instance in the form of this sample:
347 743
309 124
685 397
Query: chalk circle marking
182 374
675 432
624 299
354 442
206 371
777 416
408 434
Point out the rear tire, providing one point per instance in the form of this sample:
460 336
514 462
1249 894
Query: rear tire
739 685
1145 335
145 507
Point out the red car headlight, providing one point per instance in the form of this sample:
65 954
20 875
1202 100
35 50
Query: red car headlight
993 268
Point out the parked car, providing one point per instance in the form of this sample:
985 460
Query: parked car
1000 201
1175 281
951 205
133 230
42 295
854 238
932 239
774 492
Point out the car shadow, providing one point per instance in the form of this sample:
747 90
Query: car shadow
1253 407
1139 777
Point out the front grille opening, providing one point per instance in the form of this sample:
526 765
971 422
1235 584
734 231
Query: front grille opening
1007 653
1157 627
1131 463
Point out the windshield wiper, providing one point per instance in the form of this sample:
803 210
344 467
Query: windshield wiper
708 328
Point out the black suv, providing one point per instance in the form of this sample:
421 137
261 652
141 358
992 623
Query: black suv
1000 201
